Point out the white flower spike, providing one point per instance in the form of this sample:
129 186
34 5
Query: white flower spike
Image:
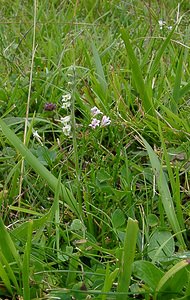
66 97
67 130
66 105
66 101
65 120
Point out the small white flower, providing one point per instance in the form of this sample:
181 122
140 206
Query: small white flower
161 23
95 122
65 120
67 130
66 105
36 135
66 98
66 101
105 121
170 27
95 111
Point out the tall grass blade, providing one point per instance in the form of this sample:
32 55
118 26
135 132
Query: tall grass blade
175 185
7 246
127 259
57 217
66 194
137 74
10 273
5 279
165 193
26 264
159 54
99 68
108 282
177 84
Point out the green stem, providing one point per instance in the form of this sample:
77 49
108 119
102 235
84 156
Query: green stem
75 148
127 259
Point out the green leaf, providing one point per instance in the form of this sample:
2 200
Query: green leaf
103 176
161 245
162 286
147 272
118 218
152 220
77 225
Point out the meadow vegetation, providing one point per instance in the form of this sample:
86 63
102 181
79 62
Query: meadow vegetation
95 149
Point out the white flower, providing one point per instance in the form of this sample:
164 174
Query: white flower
65 120
95 122
36 135
67 130
105 121
66 97
66 101
66 105
161 23
170 27
95 111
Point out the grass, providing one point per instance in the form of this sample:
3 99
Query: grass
94 213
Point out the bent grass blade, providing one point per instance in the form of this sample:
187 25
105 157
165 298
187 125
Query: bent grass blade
65 193
165 193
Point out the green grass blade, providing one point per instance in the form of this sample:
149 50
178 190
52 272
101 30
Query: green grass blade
175 120
39 168
127 258
159 54
20 232
5 278
165 193
175 184
177 84
10 273
108 282
57 217
170 274
137 74
184 90
99 68
26 264
7 246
